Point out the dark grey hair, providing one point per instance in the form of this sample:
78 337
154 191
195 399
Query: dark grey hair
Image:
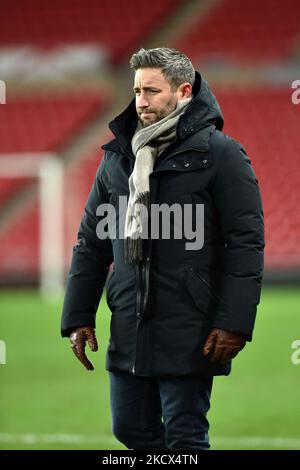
175 66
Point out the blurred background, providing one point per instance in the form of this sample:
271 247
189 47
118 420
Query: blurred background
64 75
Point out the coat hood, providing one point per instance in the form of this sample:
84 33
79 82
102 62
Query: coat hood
203 111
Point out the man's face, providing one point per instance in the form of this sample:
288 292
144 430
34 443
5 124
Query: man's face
155 98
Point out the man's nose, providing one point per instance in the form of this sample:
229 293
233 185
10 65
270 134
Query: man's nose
142 101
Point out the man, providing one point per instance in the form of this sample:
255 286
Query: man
179 314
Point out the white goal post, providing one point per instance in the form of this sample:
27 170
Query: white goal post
49 170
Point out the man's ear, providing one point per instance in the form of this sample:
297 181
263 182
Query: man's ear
184 91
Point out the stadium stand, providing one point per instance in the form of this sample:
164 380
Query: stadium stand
262 117
43 123
115 26
20 241
251 31
9 187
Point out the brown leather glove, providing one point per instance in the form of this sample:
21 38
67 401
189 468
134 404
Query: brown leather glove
78 338
223 345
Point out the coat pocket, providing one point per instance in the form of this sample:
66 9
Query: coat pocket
201 292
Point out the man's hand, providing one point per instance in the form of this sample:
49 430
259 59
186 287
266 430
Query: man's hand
78 339
223 345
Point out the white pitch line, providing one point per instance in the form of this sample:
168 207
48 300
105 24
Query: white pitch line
55 438
258 441
240 442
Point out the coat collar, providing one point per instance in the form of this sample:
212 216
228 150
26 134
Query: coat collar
202 113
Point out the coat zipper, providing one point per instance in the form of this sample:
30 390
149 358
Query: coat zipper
139 298
142 294
145 278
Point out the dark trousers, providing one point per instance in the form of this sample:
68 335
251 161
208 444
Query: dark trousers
160 412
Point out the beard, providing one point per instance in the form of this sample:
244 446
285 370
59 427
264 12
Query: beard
155 116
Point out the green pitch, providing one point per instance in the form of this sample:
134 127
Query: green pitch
49 401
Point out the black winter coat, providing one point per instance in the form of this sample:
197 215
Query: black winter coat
163 309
